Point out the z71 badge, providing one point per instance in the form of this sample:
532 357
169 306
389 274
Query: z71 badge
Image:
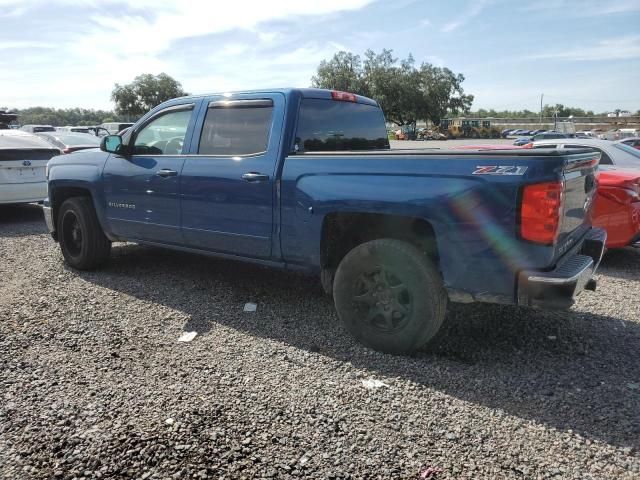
500 170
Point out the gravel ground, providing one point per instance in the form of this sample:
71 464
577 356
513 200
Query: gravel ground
95 385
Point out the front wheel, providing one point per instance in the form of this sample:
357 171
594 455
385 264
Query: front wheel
389 296
82 241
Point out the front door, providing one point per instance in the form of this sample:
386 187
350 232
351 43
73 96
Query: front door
142 190
228 179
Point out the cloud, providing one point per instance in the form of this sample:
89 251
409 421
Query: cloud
588 8
98 43
465 16
619 48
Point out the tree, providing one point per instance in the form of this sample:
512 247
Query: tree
343 72
63 116
145 92
443 93
405 93
562 111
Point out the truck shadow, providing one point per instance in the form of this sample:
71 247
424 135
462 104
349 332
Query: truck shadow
622 263
21 220
573 371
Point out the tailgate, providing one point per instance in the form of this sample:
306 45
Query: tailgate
24 166
579 175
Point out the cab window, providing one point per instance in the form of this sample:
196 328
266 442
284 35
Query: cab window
164 135
234 128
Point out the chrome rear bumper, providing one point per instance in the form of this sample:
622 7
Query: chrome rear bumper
559 287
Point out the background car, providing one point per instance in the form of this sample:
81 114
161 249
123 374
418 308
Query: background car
613 153
536 132
617 203
71 142
617 206
23 160
37 128
585 134
541 136
114 127
77 129
632 142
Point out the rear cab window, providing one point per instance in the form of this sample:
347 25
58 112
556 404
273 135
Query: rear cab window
236 128
332 125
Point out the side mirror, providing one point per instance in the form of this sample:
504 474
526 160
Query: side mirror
112 144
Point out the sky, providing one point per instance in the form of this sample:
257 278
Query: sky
70 53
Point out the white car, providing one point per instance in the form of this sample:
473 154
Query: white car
23 160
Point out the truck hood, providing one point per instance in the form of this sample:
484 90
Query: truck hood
94 156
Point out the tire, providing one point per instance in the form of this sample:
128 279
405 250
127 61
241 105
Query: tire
82 241
389 296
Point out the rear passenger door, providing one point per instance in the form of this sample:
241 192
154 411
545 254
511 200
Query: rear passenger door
228 179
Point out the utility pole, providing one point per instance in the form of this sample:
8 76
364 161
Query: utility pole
541 97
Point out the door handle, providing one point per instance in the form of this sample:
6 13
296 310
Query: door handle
165 172
255 177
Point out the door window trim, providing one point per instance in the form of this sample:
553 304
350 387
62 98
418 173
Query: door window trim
239 104
156 115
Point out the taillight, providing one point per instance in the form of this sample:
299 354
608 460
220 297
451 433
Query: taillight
540 212
343 96
528 145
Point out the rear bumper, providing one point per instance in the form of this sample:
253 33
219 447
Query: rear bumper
559 287
22 192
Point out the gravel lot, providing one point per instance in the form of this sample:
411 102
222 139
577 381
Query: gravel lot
95 385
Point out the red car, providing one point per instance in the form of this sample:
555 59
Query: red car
617 206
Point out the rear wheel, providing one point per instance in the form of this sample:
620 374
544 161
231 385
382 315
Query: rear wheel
389 296
82 241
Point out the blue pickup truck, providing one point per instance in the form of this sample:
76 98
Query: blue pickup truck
304 179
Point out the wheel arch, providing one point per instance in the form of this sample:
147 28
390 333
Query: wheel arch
343 231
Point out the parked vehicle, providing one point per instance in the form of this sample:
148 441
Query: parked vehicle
541 136
506 132
37 128
536 132
114 127
617 205
98 131
23 159
632 142
7 120
519 132
522 141
71 142
77 129
612 153
392 234
585 134
615 134
629 133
